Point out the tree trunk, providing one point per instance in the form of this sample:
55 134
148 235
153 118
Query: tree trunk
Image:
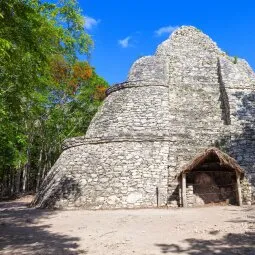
17 182
45 165
39 174
13 181
24 179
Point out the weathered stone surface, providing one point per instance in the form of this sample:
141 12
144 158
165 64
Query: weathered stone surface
186 98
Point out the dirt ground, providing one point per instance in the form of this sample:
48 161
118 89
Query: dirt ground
195 231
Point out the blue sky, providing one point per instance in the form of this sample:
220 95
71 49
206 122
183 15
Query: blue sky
126 30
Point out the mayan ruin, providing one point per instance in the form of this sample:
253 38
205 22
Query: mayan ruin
179 132
127 127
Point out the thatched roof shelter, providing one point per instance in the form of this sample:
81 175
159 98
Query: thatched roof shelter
224 160
212 155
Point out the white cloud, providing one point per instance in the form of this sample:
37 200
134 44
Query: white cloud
165 30
124 43
91 22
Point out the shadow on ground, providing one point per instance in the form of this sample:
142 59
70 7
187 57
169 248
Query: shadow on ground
20 232
229 244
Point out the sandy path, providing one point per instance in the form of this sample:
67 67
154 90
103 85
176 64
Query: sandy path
195 231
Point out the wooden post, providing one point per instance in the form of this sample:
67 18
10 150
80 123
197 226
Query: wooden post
184 194
239 191
180 192
157 196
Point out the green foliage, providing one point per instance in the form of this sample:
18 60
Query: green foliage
235 60
38 108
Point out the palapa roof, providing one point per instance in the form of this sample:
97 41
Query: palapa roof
224 160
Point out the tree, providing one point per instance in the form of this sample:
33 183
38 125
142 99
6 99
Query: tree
37 40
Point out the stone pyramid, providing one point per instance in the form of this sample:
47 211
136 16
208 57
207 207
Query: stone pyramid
187 97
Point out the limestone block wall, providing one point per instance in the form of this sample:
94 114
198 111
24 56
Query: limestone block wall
108 175
191 199
194 95
151 69
132 112
239 142
194 98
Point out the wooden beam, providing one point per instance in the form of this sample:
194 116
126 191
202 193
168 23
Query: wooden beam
184 193
239 190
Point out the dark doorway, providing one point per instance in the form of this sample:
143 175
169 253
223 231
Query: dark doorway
213 183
